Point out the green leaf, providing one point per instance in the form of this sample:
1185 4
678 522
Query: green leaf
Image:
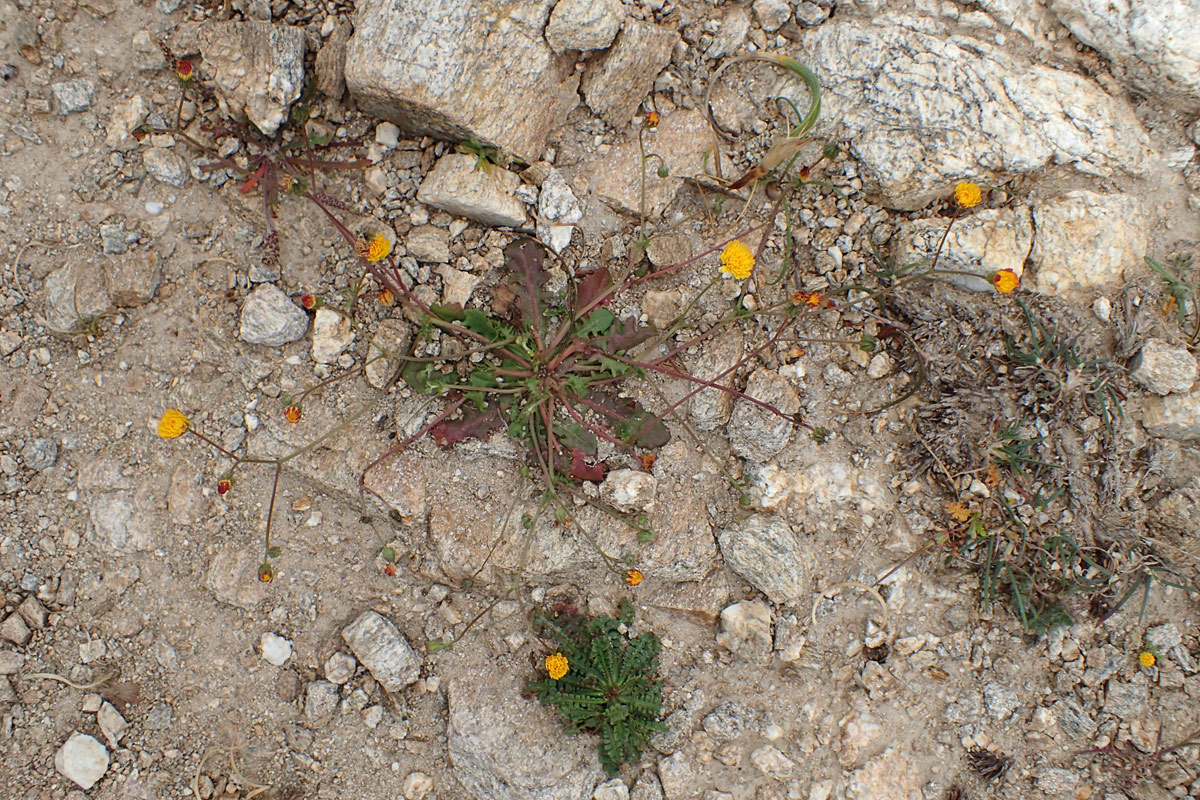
595 323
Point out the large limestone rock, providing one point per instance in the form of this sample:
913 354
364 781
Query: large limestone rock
1084 240
922 108
461 71
1153 44
982 242
256 69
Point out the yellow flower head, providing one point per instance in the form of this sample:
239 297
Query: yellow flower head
173 424
737 260
967 194
557 665
634 576
1147 659
378 249
1005 281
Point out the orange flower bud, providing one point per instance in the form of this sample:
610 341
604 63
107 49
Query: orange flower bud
224 485
634 576
292 414
266 573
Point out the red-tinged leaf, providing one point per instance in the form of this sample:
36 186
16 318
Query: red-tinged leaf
582 471
525 260
594 286
253 180
623 335
630 422
473 425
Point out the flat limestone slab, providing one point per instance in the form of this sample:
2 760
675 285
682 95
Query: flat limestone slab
460 71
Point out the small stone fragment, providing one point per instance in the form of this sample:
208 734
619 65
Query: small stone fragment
40 453
772 763
165 166
484 194
617 84
133 279
332 334
383 650
772 14
339 668
75 296
320 701
125 118
74 95
82 760
33 612
112 724
330 64
583 24
416 786
614 789
15 630
1163 368
758 434
810 14
388 346
1175 416
269 317
629 490
746 629
559 211
275 649
428 244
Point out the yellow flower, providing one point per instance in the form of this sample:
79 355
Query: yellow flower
557 665
173 424
633 576
1147 659
737 260
1005 281
378 249
967 194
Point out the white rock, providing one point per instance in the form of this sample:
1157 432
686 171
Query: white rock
629 490
275 649
255 68
1162 368
74 95
769 486
124 119
82 760
583 24
772 14
1085 240
558 212
483 194
332 334
1176 416
982 242
757 433
165 166
772 763
615 85
112 724
614 789
269 317
1155 43
923 108
416 786
746 629
383 650
339 668
387 134
457 286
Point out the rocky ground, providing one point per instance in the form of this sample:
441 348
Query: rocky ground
823 626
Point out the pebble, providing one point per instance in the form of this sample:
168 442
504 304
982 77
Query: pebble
629 490
320 701
772 14
332 333
772 763
165 166
765 551
269 317
416 786
383 650
746 629
40 453
154 208
614 789
484 195
275 649
559 211
82 760
1163 368
339 668
74 95
387 135
112 724
728 721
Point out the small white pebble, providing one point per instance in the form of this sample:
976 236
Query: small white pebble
275 649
